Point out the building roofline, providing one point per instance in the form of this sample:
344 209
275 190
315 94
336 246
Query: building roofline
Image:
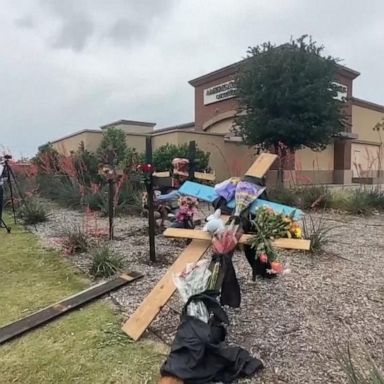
347 72
76 134
217 74
176 127
367 104
128 122
159 132
233 68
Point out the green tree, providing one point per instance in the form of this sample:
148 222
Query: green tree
113 145
163 156
46 159
287 97
87 165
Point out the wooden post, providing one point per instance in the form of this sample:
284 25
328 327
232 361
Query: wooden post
192 160
151 211
111 191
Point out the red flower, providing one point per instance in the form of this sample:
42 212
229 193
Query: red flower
263 258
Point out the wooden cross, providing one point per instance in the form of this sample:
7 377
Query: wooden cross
164 289
112 175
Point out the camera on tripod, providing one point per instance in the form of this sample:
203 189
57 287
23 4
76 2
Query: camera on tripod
4 159
7 178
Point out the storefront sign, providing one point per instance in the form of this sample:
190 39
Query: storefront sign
342 92
220 92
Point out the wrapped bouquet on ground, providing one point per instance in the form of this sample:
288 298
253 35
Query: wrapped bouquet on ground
265 227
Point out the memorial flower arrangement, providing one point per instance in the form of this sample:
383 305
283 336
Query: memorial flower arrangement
267 226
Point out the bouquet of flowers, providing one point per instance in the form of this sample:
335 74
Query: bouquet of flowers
187 210
191 281
246 193
268 226
227 188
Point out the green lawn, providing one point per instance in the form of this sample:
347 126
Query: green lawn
85 346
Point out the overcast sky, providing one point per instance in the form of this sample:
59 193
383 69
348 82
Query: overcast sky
67 65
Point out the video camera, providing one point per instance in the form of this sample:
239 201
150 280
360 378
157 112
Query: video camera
5 158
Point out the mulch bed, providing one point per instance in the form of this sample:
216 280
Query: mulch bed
293 323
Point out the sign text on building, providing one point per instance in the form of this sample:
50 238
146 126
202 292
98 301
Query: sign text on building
342 91
220 92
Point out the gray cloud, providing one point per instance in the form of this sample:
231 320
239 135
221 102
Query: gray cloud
122 21
74 33
68 65
75 26
128 31
25 22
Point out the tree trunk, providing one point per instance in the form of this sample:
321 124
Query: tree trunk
280 169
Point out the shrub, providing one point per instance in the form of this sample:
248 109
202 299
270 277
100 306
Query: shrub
32 212
105 263
69 194
60 189
113 143
128 199
131 160
376 199
283 196
96 201
315 196
130 196
358 202
358 372
163 156
86 165
317 232
75 240
47 159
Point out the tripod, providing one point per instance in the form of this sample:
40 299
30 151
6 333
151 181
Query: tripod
7 175
2 222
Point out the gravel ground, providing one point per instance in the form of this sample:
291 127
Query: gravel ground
295 322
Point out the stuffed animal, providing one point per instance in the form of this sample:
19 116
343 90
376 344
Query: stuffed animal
214 223
185 214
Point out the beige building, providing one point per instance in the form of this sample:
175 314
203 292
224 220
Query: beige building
227 158
356 157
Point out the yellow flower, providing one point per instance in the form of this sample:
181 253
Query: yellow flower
297 232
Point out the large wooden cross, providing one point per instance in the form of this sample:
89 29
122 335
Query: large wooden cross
163 290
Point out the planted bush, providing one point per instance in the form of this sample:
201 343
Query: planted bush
315 196
318 232
357 371
130 196
75 240
358 202
283 196
105 263
32 212
354 202
61 190
376 199
163 156
127 199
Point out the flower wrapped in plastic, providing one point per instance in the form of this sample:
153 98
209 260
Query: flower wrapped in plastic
246 193
225 241
227 188
192 281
